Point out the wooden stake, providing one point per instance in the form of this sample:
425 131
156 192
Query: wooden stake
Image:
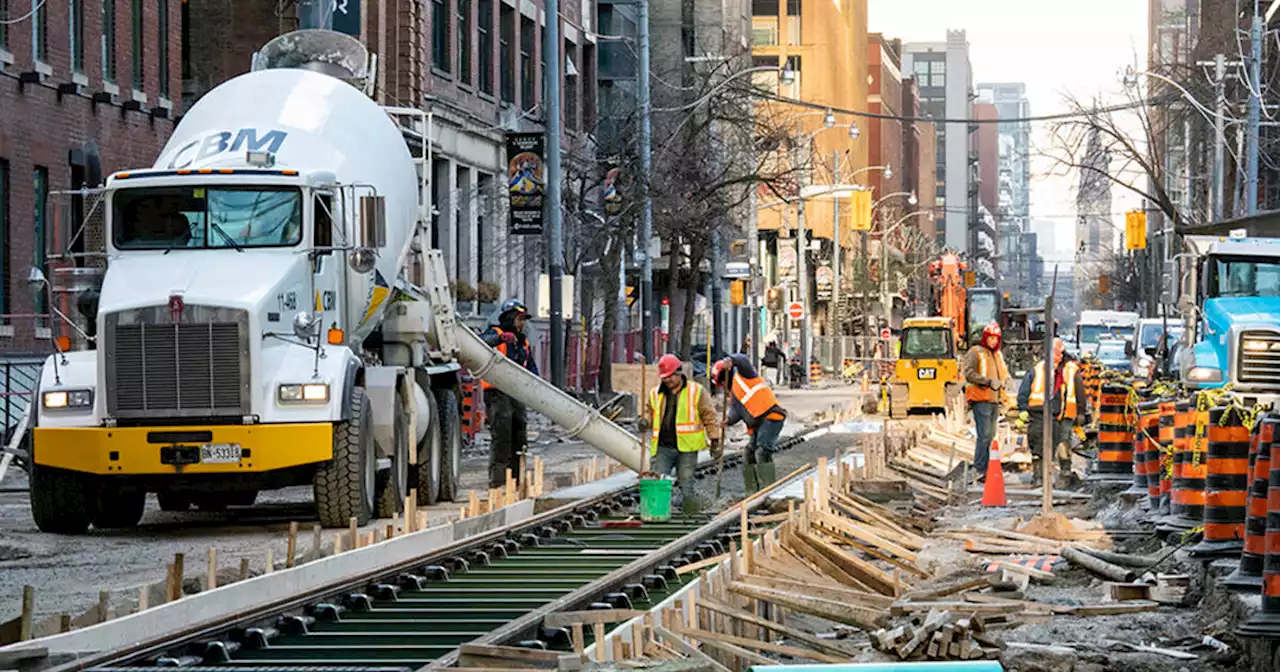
597 632
316 551
292 546
524 482
422 520
211 579
510 494
244 568
473 503
104 606
462 513
271 561
144 599
391 531
177 576
28 609
64 623
355 533
337 543
408 516
538 474
413 503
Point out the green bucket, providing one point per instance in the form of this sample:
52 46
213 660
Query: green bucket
655 500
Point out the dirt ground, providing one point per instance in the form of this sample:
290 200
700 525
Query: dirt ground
68 572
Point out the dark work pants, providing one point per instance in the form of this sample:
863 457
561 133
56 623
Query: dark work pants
669 458
763 442
984 419
508 434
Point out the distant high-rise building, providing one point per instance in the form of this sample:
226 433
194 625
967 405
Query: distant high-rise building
1012 188
1095 232
946 83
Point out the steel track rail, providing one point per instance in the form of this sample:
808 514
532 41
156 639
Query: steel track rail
198 646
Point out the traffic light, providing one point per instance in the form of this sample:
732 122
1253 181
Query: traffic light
773 298
1135 230
1104 284
738 293
863 210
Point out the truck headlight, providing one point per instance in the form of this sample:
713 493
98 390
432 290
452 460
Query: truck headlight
1204 374
60 399
303 393
1257 345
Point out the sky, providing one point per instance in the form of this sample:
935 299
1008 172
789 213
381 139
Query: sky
1081 47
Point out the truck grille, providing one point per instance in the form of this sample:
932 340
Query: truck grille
1259 366
158 368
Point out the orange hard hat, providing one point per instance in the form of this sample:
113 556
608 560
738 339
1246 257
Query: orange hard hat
668 365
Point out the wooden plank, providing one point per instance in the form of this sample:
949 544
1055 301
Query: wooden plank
872 600
850 614
562 619
688 649
705 635
695 566
1113 609
874 577
717 607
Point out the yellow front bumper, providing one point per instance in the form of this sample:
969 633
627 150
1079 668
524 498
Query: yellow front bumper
137 450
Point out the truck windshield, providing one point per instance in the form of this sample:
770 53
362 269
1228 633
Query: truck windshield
1089 333
1151 334
925 343
1243 277
188 217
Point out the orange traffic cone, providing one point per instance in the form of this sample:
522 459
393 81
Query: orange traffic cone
993 489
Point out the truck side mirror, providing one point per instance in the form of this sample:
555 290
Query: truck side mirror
373 221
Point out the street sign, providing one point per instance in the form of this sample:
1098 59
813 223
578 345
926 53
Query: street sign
795 310
884 334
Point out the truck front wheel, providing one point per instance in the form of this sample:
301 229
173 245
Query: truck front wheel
344 486
62 501
119 508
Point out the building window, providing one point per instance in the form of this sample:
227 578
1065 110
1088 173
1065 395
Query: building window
527 35
76 14
136 19
440 34
464 41
484 44
5 306
162 39
109 40
571 79
542 47
506 35
40 31
4 27
40 181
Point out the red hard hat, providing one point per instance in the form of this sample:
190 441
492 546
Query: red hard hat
668 365
720 367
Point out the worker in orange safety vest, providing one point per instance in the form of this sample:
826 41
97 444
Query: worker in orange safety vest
1062 402
754 404
508 426
985 374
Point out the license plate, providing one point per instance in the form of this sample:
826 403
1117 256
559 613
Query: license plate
927 374
220 453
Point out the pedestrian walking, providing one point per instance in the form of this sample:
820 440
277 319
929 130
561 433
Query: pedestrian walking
772 362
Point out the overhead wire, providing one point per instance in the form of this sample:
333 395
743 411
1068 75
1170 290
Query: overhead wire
24 17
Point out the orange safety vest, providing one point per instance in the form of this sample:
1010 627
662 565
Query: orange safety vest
1069 405
756 396
502 348
990 365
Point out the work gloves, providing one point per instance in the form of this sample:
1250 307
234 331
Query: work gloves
508 338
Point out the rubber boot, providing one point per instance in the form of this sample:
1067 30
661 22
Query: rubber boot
691 506
767 473
749 479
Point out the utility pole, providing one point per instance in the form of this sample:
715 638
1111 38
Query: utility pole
802 282
646 167
835 251
551 76
1220 89
1255 113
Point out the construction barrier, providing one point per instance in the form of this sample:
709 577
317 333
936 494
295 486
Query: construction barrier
1146 455
1115 435
1226 483
1189 471
1090 374
1248 576
815 372
1267 622
1168 441
472 407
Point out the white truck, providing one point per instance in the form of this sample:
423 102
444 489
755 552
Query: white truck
271 315
1095 323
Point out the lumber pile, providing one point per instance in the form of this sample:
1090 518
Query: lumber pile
1045 534
941 635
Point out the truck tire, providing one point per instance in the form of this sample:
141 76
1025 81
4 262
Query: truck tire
344 486
393 484
118 508
173 502
426 476
242 498
450 414
62 501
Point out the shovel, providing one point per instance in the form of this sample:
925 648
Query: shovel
724 415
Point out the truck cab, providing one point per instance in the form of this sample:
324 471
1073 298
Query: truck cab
1095 324
1231 308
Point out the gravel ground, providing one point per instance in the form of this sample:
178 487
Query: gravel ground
69 571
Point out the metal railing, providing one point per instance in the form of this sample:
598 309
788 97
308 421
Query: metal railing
18 378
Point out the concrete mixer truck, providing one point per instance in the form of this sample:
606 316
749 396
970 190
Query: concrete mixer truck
270 315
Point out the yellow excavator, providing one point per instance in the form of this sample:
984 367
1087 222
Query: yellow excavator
927 373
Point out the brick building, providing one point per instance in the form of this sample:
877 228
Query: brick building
78 102
477 66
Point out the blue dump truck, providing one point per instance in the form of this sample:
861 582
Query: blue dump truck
1230 303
